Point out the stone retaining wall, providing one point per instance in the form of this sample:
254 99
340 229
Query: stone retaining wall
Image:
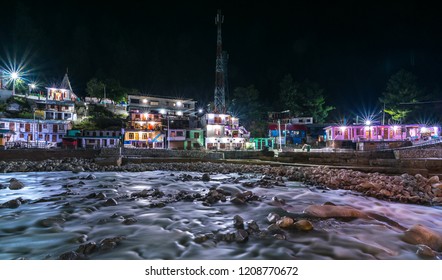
418 153
43 154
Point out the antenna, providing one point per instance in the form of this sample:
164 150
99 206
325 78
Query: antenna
220 98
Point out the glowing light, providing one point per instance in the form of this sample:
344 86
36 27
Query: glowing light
367 122
179 103
33 86
200 111
342 128
436 130
14 75
144 100
395 127
179 113
162 111
424 130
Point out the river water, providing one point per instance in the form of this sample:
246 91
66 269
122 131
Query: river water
62 210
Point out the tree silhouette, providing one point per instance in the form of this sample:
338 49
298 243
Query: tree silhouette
401 88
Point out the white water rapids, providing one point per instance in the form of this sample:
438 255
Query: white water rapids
62 210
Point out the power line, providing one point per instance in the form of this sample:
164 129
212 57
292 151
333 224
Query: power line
422 102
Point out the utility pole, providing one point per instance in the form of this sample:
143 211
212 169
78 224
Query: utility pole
383 115
279 134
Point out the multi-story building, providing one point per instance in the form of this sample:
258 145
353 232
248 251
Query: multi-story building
159 122
59 103
374 136
224 133
33 132
144 130
92 139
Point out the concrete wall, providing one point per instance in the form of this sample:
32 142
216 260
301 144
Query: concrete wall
43 154
418 153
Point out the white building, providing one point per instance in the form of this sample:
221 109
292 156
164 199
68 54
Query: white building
33 131
224 133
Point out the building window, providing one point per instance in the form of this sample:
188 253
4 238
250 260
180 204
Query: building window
179 133
22 125
112 142
131 136
45 126
91 141
196 135
21 135
2 125
154 103
217 132
144 136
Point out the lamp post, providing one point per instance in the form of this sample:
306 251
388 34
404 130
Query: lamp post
33 129
279 129
14 77
31 87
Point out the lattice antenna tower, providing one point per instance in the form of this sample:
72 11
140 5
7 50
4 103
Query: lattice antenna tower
220 87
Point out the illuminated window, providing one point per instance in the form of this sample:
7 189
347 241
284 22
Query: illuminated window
131 136
144 136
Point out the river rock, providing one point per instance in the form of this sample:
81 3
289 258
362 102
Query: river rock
110 202
273 217
14 203
15 184
77 169
72 255
238 222
87 249
129 221
332 211
241 236
252 226
303 225
419 234
285 222
49 222
434 179
425 252
205 177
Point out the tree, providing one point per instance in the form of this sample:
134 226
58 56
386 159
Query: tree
95 88
305 99
401 88
113 89
246 106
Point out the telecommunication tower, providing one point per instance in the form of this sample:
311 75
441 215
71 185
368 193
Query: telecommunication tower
220 88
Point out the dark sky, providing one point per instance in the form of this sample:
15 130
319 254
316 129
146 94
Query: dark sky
350 48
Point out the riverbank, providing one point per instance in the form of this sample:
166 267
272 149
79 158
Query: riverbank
404 188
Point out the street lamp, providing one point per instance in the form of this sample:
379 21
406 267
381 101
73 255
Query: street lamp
14 77
31 88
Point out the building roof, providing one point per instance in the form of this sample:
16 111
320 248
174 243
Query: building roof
274 126
32 120
7 131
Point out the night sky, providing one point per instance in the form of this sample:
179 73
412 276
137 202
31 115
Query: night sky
350 48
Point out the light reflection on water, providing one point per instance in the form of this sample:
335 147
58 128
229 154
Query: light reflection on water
169 232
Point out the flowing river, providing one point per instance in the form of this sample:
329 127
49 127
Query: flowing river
161 215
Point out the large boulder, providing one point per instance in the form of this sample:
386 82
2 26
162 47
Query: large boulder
419 234
334 211
15 184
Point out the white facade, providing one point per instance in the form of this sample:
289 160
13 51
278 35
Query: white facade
29 130
100 138
224 133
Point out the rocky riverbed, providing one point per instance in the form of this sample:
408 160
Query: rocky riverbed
403 188
217 212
